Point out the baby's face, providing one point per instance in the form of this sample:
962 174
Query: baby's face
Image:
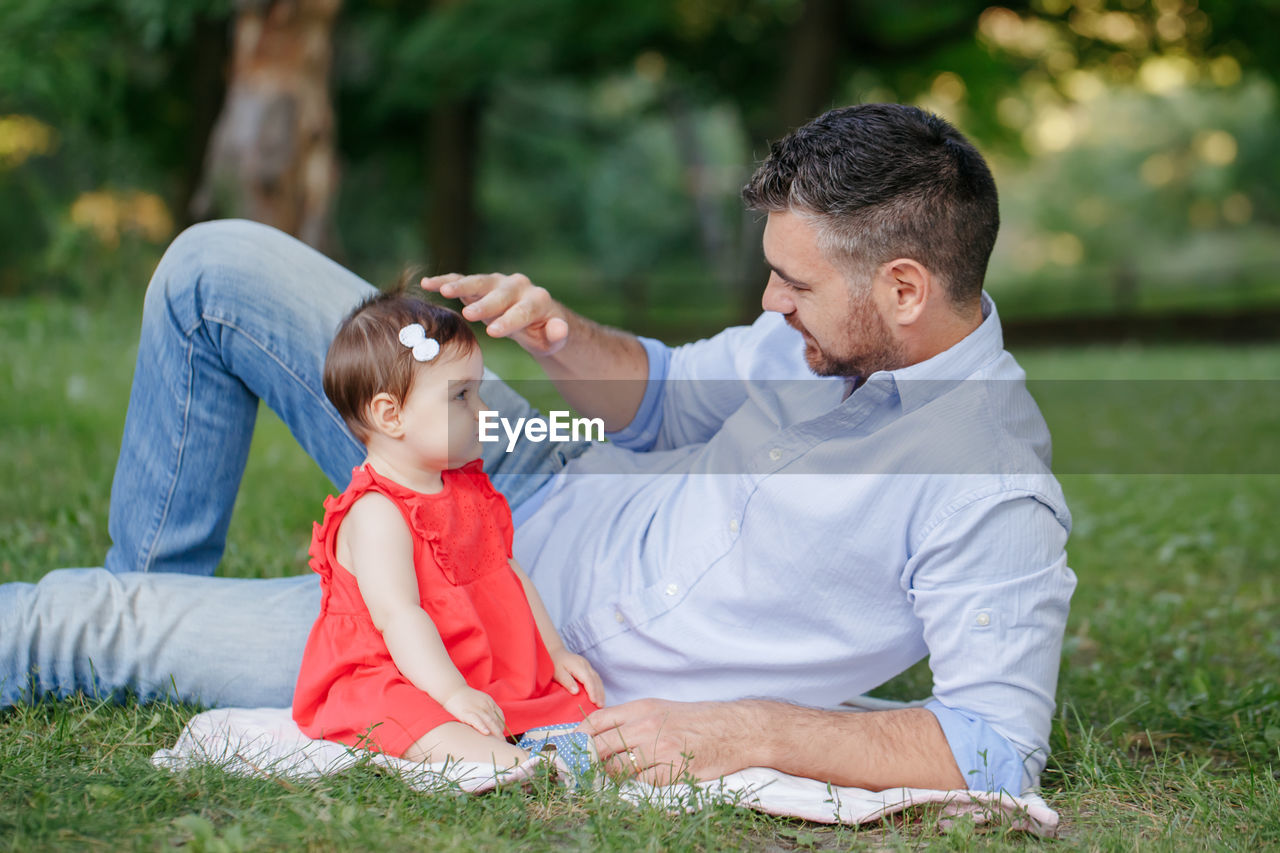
441 414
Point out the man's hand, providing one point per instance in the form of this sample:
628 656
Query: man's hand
509 306
661 742
568 346
572 669
476 709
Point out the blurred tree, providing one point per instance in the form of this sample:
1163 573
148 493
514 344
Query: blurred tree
271 157
780 61
453 149
1138 118
129 91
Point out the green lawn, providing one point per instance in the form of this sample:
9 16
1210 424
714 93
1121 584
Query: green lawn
1168 733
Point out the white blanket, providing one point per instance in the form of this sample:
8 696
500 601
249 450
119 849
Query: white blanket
266 742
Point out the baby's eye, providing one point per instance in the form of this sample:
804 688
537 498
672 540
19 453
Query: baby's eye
461 395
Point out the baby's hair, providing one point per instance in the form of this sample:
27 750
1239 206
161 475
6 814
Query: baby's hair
366 357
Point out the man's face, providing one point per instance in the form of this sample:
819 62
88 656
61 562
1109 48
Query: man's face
843 330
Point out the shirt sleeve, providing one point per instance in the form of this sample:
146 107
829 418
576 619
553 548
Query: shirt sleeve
991 586
692 389
642 432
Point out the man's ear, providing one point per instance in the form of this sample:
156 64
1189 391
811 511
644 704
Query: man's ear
384 415
908 287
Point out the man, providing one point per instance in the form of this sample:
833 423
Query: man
796 510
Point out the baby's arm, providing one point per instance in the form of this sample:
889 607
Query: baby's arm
570 668
375 545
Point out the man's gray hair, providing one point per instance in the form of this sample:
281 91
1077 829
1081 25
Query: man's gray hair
886 181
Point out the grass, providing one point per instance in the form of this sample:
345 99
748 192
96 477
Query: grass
1168 733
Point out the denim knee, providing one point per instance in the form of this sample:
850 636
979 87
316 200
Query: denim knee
213 267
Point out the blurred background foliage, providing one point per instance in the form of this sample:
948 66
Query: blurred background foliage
601 147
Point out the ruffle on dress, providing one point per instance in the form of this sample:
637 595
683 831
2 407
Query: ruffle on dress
424 517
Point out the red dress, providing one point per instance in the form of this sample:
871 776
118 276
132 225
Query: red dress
349 690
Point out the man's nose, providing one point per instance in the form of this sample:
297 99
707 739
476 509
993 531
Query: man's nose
775 297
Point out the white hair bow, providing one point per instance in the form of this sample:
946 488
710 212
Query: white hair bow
415 337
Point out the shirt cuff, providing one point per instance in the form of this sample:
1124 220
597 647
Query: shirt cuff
642 432
987 761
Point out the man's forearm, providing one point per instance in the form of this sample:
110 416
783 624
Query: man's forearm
873 750
600 371
664 740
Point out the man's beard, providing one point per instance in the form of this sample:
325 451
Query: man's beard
871 346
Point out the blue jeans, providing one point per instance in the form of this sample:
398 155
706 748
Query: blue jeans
236 312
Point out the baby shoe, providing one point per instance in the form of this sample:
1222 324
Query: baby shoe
571 752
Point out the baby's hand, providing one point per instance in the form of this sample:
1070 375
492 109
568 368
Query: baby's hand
572 669
477 710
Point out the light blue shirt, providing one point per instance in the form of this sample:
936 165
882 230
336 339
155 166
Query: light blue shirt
755 532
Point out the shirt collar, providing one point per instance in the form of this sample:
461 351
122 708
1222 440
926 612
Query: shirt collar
923 381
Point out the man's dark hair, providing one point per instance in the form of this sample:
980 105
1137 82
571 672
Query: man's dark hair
366 357
885 181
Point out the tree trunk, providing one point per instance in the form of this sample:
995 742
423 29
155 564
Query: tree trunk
807 85
810 76
453 147
272 158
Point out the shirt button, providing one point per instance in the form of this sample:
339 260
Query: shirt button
775 454
983 620
672 589
733 525
618 615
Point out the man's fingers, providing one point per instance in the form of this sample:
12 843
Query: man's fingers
502 310
435 282
508 305
612 742
607 719
486 307
624 764
661 775
633 763
515 317
468 288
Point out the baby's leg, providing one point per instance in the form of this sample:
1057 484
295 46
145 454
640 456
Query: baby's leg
460 742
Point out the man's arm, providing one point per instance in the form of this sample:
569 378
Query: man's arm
649 396
990 586
872 750
600 371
